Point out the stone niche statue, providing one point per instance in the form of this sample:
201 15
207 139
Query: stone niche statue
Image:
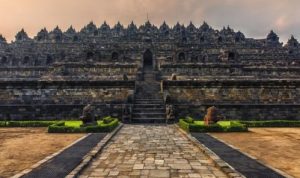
125 77
212 116
174 77
127 112
170 113
223 57
88 116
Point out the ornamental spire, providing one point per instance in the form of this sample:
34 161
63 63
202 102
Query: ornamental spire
292 42
21 35
2 39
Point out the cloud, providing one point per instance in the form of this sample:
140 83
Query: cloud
253 17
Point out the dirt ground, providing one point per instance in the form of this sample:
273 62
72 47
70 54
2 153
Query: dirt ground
20 148
278 147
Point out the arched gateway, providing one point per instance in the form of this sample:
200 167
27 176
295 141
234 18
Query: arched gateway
148 58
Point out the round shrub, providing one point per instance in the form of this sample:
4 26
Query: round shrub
107 120
189 120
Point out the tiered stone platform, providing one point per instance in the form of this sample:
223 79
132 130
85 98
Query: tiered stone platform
246 78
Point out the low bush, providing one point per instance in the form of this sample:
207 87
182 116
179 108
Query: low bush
189 120
198 126
65 129
236 127
104 127
107 120
273 123
2 124
205 128
30 123
74 127
184 125
60 123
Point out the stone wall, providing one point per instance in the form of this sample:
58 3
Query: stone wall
243 99
242 111
200 71
55 111
61 99
92 72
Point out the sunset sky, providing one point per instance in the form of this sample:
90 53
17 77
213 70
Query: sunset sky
253 17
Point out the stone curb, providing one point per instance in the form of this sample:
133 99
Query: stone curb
284 174
26 171
87 159
225 167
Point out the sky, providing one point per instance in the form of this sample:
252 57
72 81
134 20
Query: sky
255 18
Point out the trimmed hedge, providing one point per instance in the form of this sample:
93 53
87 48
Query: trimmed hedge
196 127
107 120
102 127
2 124
184 125
65 129
237 127
189 120
106 127
204 128
27 123
273 123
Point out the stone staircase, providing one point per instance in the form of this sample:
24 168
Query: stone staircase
148 105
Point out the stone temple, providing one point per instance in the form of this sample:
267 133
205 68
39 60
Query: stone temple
139 73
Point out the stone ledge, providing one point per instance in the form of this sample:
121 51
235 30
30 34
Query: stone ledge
225 167
239 83
201 65
66 84
98 65
236 105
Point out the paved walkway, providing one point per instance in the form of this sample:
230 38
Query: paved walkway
242 163
151 151
66 161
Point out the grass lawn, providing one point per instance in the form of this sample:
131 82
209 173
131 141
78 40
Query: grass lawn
222 123
79 123
107 124
191 125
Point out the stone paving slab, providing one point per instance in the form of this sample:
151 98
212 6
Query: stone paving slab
151 151
242 163
66 161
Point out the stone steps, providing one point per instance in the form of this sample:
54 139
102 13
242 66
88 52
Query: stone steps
149 102
148 105
148 115
149 120
148 96
150 109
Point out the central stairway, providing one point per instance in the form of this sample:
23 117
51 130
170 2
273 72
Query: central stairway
148 105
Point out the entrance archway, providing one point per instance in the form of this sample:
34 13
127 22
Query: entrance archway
148 58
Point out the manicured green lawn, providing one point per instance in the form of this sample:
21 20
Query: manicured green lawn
191 125
107 124
79 123
222 123
73 123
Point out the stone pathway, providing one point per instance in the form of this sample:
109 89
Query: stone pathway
242 163
66 161
151 151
